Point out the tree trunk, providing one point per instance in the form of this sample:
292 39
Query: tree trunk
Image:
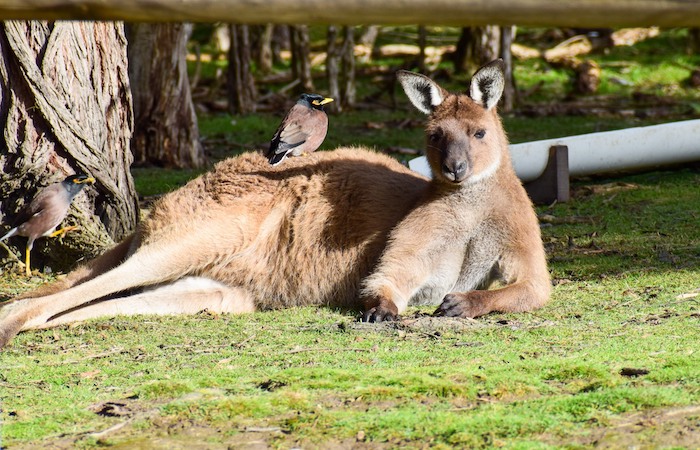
240 81
280 41
367 39
264 53
509 91
65 105
332 69
301 61
693 41
459 57
348 67
422 42
476 46
165 124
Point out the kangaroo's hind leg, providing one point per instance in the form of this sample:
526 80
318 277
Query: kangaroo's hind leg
101 264
146 267
189 295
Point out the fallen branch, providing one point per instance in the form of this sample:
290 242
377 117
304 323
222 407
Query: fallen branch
307 349
11 253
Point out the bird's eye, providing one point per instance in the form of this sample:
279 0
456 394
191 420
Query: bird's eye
480 134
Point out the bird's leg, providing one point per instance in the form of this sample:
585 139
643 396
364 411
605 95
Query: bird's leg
27 267
62 232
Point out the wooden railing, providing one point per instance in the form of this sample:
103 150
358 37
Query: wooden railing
570 13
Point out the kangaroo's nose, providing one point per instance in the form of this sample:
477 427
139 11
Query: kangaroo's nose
455 171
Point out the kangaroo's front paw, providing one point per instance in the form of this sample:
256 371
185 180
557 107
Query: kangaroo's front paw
462 304
385 310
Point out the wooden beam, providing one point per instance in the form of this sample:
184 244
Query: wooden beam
570 13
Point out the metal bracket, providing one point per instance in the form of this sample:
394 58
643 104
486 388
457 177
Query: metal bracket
553 184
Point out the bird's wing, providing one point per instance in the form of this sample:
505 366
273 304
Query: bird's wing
45 211
37 204
290 133
294 134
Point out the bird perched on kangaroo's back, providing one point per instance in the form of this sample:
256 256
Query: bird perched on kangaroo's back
302 130
46 211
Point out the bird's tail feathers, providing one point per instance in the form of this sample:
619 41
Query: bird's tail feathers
277 158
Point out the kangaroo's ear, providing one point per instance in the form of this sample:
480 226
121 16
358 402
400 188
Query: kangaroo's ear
423 92
487 84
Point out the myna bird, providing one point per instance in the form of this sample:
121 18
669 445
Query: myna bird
46 211
302 130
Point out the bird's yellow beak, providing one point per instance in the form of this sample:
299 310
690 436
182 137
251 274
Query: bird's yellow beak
88 180
322 102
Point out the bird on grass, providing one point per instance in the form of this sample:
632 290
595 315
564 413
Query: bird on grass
302 130
46 211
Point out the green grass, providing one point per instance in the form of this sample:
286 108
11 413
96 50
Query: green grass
624 253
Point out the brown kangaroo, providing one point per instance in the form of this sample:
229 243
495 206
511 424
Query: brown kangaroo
349 228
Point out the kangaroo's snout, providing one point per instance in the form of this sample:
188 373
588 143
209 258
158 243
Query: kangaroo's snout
455 171
455 163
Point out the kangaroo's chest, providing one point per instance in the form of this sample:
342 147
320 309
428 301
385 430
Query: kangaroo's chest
469 266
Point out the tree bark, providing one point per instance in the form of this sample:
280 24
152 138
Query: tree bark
264 54
693 40
348 66
509 91
422 42
476 46
165 126
459 58
240 81
65 106
301 61
367 39
333 69
280 41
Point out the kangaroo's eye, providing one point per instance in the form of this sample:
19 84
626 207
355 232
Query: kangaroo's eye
480 134
434 136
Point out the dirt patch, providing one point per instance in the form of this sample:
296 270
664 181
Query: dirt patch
657 428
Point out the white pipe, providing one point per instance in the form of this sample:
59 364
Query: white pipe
609 151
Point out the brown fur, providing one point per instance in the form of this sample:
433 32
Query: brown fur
349 228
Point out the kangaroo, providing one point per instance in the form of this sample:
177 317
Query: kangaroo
349 228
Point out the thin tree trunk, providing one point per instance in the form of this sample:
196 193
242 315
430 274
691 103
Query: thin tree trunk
509 92
693 40
301 62
460 57
65 107
264 54
348 67
332 68
165 123
367 39
476 47
422 40
280 41
241 84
